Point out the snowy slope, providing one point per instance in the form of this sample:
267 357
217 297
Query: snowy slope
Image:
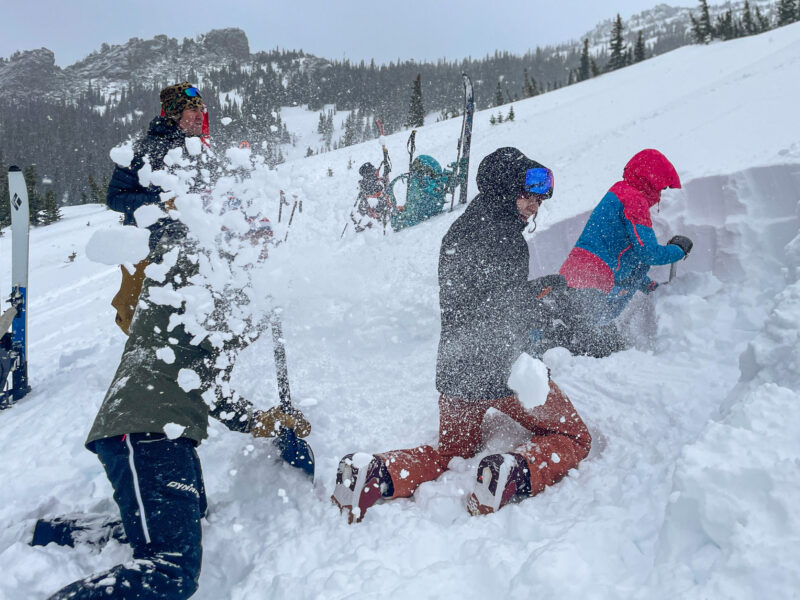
692 485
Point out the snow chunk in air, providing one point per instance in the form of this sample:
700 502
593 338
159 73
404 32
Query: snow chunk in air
166 354
118 245
361 460
194 146
529 379
173 430
188 380
147 215
122 154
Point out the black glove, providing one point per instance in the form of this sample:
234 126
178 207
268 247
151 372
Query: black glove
683 242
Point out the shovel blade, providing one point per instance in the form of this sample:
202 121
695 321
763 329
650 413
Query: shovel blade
296 451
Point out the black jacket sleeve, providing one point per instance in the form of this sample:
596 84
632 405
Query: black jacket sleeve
125 193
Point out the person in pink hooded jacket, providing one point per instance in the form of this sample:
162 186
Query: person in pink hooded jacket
612 257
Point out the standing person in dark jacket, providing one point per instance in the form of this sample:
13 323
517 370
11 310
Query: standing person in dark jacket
184 115
488 308
154 414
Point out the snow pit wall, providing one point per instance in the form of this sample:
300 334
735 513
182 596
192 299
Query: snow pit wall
737 487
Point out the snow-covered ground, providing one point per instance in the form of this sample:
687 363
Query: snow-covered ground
693 483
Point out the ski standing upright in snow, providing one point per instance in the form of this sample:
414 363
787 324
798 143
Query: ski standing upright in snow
16 353
465 141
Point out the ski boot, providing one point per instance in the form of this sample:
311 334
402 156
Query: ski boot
501 479
361 480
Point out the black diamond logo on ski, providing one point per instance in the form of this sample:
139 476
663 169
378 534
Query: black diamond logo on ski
16 202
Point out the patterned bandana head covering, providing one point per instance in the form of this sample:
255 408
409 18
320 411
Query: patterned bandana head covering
174 100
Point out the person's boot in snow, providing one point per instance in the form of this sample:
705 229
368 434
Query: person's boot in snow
361 480
501 478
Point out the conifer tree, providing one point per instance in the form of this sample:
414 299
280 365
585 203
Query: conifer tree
572 77
51 211
351 129
725 28
529 87
787 12
416 112
35 202
762 21
511 114
498 96
96 192
639 52
748 24
616 47
702 31
585 68
526 84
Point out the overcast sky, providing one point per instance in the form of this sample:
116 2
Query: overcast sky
353 29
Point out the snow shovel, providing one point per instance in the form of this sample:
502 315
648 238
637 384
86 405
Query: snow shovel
294 450
673 270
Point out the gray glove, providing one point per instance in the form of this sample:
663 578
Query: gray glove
683 242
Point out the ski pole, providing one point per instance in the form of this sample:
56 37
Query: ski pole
283 201
411 146
387 168
291 216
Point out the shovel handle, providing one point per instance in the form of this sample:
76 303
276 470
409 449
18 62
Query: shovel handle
281 370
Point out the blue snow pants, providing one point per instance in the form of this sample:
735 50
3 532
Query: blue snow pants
158 486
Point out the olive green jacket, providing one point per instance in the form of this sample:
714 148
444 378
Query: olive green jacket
162 376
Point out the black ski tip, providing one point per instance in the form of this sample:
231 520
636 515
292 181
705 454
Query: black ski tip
14 169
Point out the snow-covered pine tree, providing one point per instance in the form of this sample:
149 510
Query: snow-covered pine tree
639 50
585 68
35 201
529 88
787 12
416 111
748 25
762 20
52 211
617 51
498 96
702 30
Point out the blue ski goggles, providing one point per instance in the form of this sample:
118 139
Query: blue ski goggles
539 181
192 92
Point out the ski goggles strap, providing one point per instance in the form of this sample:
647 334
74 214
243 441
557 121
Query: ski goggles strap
539 180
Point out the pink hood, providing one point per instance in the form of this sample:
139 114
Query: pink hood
649 172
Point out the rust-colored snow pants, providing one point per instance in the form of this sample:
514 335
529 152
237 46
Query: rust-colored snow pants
560 441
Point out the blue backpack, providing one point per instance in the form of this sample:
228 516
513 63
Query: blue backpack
428 185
